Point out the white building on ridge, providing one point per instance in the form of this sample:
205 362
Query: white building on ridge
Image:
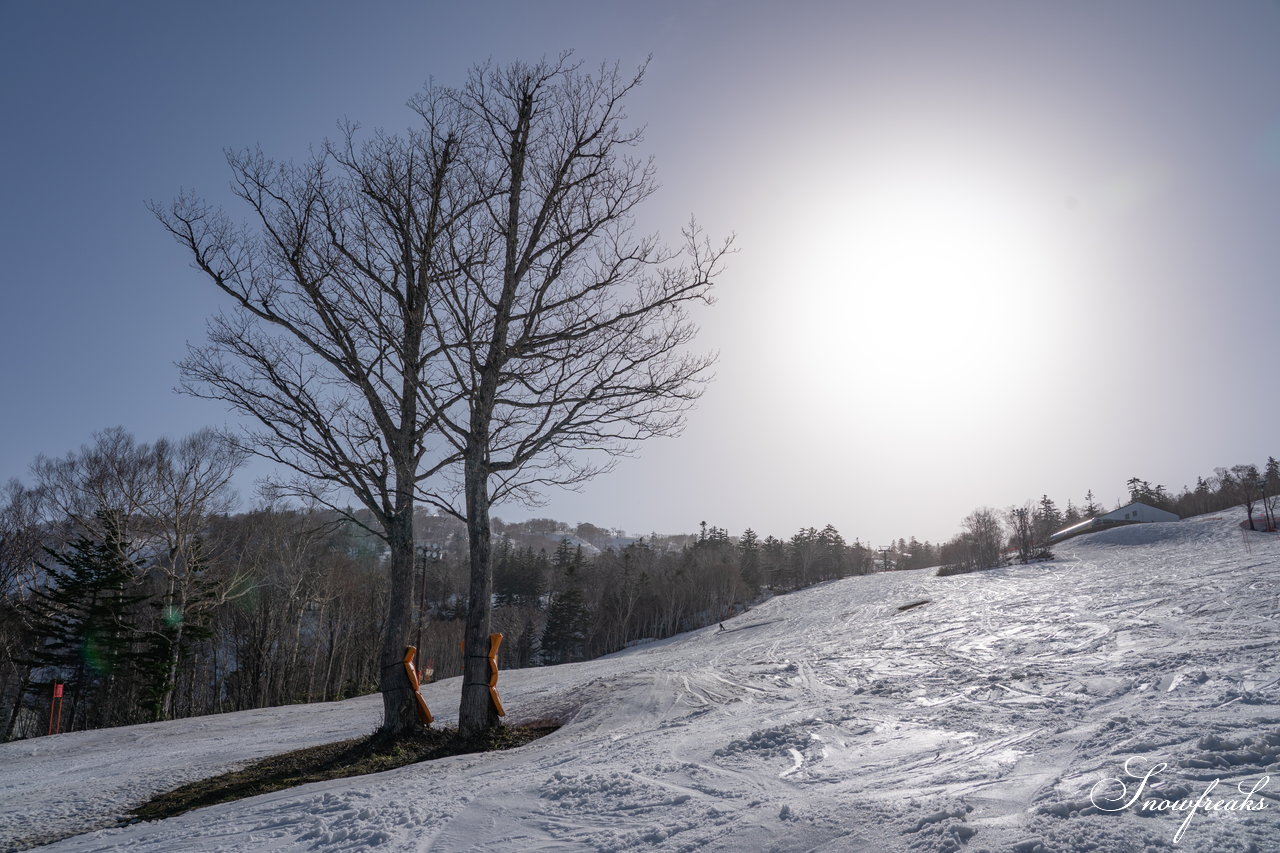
1134 513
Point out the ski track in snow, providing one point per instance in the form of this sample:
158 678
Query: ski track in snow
822 720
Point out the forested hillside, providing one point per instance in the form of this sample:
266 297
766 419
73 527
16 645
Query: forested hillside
129 578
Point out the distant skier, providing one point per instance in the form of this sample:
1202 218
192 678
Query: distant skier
721 631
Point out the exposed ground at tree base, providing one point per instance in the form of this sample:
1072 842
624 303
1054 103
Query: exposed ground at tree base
356 757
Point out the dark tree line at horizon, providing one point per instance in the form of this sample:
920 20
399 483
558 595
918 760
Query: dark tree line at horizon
127 578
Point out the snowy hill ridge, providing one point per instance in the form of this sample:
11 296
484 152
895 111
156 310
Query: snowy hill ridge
823 720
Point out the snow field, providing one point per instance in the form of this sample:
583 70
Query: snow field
823 720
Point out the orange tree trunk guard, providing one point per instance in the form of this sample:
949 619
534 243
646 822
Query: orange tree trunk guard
424 713
495 640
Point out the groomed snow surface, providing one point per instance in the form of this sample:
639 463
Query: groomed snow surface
823 720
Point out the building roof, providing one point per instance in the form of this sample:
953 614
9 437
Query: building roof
1135 508
1116 516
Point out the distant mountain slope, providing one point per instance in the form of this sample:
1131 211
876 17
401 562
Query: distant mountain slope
827 719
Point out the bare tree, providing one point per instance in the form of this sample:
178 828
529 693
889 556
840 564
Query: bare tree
21 541
20 537
565 331
455 315
111 473
1022 530
1247 484
983 527
191 483
163 495
326 348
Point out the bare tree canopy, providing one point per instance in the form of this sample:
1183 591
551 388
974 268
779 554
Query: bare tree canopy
326 346
458 315
564 331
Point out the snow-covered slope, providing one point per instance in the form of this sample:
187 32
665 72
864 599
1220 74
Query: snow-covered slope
824 720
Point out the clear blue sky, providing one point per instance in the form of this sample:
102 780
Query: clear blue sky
988 250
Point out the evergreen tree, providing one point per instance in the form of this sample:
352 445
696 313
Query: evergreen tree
749 545
914 554
860 562
565 635
833 560
519 576
802 554
1270 490
84 619
927 556
526 647
773 559
1048 520
505 572
1202 495
1141 491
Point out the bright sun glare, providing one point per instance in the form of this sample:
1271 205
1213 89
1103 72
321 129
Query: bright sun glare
934 274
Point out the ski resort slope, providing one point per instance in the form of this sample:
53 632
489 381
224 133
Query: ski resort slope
824 720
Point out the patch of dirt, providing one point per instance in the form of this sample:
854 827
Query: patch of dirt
359 756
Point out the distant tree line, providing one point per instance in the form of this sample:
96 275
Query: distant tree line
127 578
990 538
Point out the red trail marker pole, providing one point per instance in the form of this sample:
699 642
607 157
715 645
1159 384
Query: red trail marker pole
55 702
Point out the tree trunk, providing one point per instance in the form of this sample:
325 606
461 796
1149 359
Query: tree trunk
23 686
215 683
476 713
330 692
313 658
295 645
164 707
399 711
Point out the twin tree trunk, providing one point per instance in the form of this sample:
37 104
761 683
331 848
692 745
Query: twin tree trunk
476 712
